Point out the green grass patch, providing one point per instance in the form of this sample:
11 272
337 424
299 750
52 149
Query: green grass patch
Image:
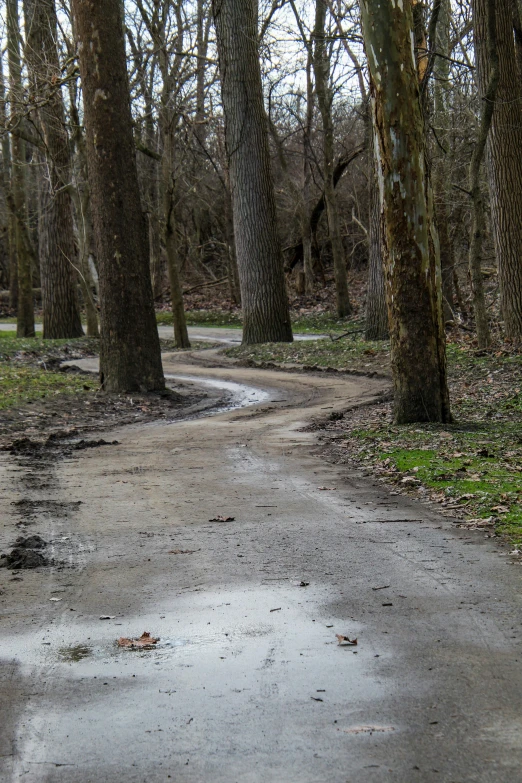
20 385
474 471
346 354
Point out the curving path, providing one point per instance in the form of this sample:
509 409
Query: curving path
248 683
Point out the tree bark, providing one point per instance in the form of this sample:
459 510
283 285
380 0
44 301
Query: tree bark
58 256
18 202
324 94
6 187
259 257
504 161
377 327
412 264
478 228
130 358
441 164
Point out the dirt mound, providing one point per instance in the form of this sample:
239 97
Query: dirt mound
20 557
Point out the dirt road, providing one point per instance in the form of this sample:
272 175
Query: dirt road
248 682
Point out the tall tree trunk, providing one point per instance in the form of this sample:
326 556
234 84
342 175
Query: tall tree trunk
412 265
130 357
18 202
306 228
169 196
478 229
377 327
504 161
6 188
325 99
58 257
441 164
259 256
81 198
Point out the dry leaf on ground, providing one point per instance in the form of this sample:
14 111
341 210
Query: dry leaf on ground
222 519
346 641
145 642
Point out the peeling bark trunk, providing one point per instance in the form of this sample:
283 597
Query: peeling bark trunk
130 358
412 262
259 257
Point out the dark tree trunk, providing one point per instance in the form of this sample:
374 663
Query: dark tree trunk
259 257
58 257
504 161
18 196
130 358
412 266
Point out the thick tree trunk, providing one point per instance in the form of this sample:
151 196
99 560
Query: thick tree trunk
58 257
259 257
130 358
504 161
325 99
412 265
18 202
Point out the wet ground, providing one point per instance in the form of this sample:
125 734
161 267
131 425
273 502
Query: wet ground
248 681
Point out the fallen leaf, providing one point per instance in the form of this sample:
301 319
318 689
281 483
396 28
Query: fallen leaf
56 599
145 642
107 617
346 641
300 584
327 489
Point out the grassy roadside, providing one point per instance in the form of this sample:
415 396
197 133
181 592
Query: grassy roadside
472 469
29 369
308 323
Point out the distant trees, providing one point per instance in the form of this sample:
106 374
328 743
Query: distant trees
130 357
251 146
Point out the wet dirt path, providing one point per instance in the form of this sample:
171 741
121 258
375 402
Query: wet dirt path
248 683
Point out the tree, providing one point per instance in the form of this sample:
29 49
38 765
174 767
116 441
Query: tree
504 162
413 275
58 256
324 92
17 196
130 357
263 293
478 229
